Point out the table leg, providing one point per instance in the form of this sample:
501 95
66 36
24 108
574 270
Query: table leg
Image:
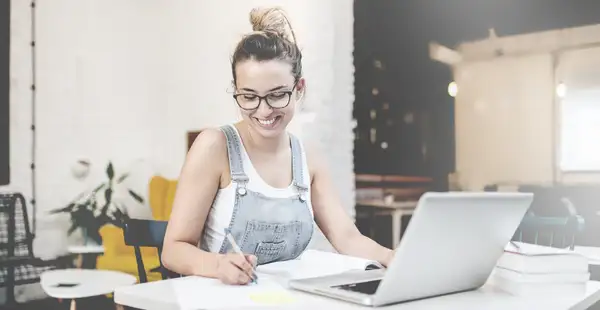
372 222
79 261
396 227
73 306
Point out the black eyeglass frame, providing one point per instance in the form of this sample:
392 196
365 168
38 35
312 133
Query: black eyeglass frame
264 98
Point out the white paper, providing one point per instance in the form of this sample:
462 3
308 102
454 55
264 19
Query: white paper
204 293
314 263
592 253
529 249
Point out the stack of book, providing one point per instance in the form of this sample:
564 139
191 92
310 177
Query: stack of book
529 269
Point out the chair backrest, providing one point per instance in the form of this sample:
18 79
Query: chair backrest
16 240
146 233
559 232
552 220
161 195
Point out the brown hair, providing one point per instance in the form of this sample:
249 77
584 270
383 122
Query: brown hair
273 39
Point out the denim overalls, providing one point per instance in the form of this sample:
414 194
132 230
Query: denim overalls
273 229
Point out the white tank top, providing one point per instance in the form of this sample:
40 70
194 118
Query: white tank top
221 211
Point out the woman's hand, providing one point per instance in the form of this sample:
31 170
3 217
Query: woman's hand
234 269
390 257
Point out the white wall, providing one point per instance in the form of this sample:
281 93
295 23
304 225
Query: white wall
125 80
507 116
504 121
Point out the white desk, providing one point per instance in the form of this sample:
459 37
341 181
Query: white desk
86 255
85 283
166 295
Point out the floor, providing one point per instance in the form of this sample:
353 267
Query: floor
98 303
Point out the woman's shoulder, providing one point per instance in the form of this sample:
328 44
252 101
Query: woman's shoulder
209 148
211 138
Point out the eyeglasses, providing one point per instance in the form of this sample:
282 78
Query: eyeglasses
275 100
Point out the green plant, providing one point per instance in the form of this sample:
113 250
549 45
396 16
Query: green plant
89 213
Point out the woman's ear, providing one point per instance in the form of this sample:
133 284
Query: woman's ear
300 89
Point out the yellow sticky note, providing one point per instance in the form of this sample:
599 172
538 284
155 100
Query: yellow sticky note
279 297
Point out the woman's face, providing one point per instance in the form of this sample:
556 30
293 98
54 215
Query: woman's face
267 95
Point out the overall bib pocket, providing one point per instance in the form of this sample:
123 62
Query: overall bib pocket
271 241
273 228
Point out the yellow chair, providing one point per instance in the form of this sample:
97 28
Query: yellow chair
121 257
161 196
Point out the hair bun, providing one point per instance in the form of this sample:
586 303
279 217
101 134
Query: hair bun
274 20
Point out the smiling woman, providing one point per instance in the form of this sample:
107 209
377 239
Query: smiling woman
254 179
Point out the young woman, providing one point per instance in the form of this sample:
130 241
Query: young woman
253 178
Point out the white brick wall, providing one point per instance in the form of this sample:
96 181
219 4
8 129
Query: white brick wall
107 70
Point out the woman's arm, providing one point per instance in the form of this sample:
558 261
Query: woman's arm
197 186
334 222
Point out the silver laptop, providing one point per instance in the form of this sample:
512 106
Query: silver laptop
451 245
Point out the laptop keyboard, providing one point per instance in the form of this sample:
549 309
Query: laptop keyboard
369 287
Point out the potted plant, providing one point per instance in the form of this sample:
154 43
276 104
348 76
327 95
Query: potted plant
91 210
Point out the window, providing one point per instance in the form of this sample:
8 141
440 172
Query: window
580 131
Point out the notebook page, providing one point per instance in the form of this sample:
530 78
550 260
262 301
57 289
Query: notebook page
204 293
314 263
344 261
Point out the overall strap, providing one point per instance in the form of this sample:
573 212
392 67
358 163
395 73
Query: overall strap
236 165
297 167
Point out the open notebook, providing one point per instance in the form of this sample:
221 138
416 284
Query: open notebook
313 263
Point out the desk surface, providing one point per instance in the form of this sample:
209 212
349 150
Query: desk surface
86 249
85 282
165 295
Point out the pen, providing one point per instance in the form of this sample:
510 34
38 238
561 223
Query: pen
237 249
